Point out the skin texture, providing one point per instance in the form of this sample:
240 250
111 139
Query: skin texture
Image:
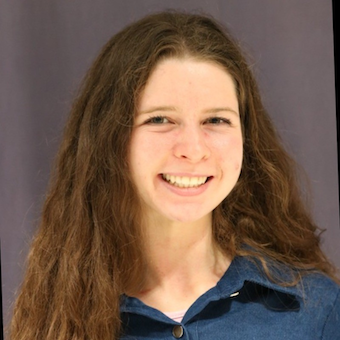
187 125
191 140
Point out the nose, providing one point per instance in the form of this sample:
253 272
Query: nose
191 144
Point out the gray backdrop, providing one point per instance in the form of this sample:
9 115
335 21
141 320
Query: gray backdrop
46 47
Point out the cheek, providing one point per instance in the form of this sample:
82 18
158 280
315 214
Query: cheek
146 151
231 152
237 166
151 144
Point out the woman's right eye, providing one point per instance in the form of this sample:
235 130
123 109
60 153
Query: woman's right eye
157 120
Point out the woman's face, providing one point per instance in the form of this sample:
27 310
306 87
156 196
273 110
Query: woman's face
186 145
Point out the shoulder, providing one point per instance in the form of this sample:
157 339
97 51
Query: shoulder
314 288
318 286
311 285
321 297
318 291
317 296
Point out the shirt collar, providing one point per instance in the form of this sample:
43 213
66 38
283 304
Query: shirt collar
244 268
241 270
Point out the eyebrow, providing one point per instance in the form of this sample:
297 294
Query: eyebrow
173 108
219 109
159 108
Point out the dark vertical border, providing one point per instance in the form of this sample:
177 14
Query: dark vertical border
336 73
1 314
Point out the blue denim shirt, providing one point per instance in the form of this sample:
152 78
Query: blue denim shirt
261 310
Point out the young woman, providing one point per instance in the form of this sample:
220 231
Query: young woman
174 210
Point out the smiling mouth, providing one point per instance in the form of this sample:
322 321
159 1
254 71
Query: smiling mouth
185 181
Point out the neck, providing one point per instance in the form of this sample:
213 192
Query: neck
183 262
182 254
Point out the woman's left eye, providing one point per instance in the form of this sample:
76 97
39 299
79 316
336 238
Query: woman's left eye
218 121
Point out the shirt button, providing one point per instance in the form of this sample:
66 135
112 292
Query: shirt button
177 331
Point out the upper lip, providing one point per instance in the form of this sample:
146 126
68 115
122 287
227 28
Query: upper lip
185 174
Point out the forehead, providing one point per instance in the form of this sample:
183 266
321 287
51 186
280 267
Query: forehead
187 62
186 78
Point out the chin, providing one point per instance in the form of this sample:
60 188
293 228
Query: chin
189 217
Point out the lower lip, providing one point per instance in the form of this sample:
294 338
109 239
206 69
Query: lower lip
186 191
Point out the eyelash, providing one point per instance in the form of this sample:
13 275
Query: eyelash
221 120
151 120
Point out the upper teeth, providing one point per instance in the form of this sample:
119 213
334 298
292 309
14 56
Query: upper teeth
185 181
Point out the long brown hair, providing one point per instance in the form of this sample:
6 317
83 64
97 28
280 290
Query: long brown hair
88 249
